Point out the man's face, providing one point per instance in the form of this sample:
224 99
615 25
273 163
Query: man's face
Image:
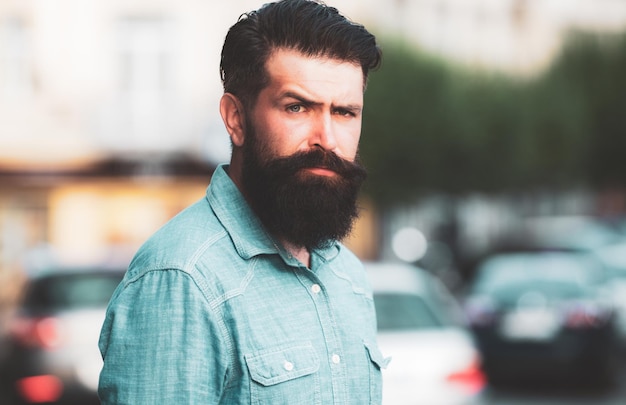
301 139
310 103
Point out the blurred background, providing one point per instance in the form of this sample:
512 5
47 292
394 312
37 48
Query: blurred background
493 128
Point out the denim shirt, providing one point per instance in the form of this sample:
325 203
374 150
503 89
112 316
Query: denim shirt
211 311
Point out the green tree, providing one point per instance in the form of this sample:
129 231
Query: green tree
430 126
594 66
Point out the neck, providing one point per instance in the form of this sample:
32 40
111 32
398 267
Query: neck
300 253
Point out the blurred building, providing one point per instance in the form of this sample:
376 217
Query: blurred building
510 36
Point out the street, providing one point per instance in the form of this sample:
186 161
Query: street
559 395
534 396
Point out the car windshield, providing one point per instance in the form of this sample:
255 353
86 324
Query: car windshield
71 291
555 276
562 272
554 289
395 311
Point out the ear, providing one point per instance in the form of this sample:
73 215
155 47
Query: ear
233 116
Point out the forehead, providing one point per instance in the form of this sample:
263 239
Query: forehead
287 67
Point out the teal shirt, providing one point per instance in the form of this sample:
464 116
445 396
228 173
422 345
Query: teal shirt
212 312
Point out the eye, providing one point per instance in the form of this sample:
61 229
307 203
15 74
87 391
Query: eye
345 112
295 108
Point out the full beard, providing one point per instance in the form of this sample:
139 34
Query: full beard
301 208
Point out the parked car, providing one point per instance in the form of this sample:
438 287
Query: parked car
560 233
543 316
421 327
52 354
613 258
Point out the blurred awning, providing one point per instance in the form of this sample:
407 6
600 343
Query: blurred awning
17 171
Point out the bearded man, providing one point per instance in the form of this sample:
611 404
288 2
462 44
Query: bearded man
248 296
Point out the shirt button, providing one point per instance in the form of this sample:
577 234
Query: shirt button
288 366
335 358
316 288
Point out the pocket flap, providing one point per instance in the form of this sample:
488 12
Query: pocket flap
376 356
273 366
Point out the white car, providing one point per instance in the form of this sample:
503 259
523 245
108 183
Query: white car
434 360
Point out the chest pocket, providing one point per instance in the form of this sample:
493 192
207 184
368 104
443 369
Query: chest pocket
284 375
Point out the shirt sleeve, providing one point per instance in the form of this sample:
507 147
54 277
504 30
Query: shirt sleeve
161 343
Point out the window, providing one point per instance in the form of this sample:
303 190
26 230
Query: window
142 116
145 58
15 58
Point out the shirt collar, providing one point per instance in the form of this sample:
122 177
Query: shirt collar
232 210
243 226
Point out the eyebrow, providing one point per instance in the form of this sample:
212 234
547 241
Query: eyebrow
307 102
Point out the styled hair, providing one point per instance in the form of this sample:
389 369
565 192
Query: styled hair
307 26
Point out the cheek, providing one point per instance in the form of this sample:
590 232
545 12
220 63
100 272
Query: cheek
288 138
349 144
279 136
285 142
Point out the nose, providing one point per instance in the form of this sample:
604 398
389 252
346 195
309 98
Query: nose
323 133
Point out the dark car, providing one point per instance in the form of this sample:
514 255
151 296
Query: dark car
51 353
543 317
560 233
613 257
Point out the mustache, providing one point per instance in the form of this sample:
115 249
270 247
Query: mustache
318 158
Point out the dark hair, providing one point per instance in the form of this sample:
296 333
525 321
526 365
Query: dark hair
307 26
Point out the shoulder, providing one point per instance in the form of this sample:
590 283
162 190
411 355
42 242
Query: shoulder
179 238
194 243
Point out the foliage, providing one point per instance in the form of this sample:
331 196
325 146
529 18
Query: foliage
431 126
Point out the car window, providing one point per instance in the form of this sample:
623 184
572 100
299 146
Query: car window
396 311
71 291
554 289
560 271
